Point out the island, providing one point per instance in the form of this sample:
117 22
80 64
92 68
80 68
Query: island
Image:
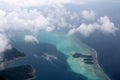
12 54
85 65
23 72
88 59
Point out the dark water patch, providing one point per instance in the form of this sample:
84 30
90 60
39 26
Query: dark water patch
49 63
12 53
17 73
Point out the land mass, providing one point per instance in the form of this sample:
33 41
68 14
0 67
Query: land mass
12 54
23 72
88 59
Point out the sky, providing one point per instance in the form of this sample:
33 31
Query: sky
50 15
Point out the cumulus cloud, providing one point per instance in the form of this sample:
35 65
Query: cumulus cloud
27 15
46 15
106 25
30 38
74 16
34 20
86 30
88 14
4 43
30 15
72 31
58 16
103 25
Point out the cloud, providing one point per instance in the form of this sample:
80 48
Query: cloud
72 31
87 30
74 16
88 14
49 57
47 15
36 56
3 23
38 3
30 15
49 29
107 26
30 3
58 16
17 4
34 20
30 38
4 43
103 25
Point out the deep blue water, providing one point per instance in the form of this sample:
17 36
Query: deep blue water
46 69
108 50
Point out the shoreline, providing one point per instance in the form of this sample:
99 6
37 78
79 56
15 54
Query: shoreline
6 63
94 54
98 66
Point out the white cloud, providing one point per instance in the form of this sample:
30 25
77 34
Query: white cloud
103 25
86 30
49 57
46 56
49 29
107 26
36 56
2 13
88 14
21 15
72 31
74 16
58 16
2 20
38 3
32 20
4 43
30 38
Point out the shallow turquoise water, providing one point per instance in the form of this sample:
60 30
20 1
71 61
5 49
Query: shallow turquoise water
67 45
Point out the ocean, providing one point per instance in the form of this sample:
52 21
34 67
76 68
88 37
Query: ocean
108 50
52 57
